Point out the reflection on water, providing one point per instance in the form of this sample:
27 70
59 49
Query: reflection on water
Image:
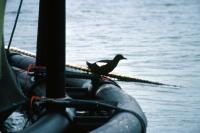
161 40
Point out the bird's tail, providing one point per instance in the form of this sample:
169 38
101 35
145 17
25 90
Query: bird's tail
88 64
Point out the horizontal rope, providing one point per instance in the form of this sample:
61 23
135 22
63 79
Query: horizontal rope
84 69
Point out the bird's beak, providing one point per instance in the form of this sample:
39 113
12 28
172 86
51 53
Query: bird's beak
124 58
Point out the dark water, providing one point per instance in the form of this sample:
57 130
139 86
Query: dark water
160 38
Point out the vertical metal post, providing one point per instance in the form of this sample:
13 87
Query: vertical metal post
51 45
42 37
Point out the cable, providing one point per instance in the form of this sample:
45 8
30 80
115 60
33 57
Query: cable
114 76
15 24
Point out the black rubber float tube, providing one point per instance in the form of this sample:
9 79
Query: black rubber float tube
122 122
51 53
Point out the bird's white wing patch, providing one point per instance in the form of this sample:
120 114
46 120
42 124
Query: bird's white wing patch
101 63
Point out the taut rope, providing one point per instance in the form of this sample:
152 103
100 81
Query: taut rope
84 69
15 24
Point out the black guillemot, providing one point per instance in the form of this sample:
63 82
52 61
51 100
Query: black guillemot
107 68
